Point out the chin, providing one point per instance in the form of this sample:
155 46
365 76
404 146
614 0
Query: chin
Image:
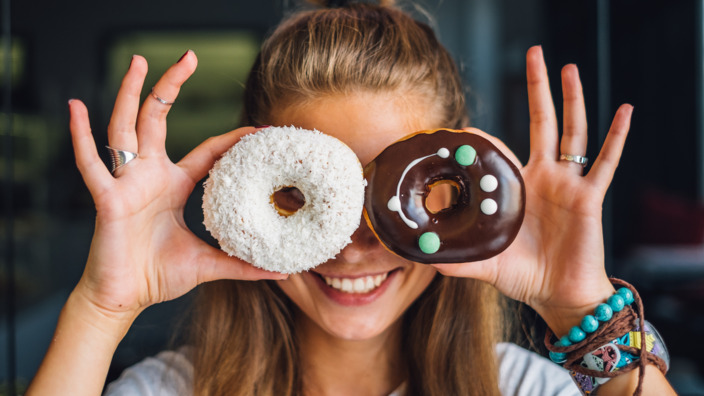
356 329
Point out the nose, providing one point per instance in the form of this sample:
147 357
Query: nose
364 242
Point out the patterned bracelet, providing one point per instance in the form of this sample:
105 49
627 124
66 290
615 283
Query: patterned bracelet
609 358
609 343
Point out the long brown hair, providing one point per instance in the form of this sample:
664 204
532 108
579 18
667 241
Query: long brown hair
244 331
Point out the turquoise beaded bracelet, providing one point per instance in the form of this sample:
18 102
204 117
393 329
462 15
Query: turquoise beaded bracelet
614 340
590 323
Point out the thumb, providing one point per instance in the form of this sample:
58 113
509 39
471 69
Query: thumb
214 264
485 270
198 162
499 145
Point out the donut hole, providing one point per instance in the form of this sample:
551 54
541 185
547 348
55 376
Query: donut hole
442 195
287 200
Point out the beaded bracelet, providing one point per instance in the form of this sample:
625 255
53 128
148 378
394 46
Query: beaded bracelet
590 323
603 335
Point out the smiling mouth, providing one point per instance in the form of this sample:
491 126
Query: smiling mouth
359 285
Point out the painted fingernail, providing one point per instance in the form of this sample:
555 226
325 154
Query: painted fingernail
262 126
183 56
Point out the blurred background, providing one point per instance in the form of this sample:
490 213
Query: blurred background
646 52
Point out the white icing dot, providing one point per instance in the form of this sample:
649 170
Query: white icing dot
489 206
394 204
443 153
488 183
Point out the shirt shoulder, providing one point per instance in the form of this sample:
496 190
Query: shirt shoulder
169 373
521 373
525 373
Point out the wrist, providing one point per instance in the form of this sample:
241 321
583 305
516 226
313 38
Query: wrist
560 318
112 324
610 343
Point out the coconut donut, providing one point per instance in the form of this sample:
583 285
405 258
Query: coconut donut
241 211
488 207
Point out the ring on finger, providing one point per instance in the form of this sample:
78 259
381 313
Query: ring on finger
119 158
161 100
577 159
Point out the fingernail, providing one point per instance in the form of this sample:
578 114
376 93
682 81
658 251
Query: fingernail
183 56
262 126
70 101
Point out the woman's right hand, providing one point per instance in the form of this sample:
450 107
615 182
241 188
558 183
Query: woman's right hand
142 252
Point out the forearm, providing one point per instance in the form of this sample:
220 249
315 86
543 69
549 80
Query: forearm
654 383
80 353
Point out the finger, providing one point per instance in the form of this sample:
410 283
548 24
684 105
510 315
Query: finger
574 131
481 270
198 162
214 264
543 121
604 167
93 170
122 134
151 121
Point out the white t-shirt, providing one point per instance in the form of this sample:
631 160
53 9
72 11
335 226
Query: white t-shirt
521 373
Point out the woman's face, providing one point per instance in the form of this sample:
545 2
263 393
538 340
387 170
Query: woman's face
349 308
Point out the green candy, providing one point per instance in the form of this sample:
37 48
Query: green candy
429 242
465 155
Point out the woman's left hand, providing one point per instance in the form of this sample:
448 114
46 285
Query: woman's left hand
556 263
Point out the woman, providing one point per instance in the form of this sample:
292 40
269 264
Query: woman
368 75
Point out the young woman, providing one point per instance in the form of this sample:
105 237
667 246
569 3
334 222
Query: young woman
368 75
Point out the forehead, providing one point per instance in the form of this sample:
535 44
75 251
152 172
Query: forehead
367 122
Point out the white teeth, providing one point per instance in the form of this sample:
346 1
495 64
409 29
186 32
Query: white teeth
369 283
347 285
361 285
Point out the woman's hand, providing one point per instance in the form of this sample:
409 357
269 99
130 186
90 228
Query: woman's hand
556 263
142 252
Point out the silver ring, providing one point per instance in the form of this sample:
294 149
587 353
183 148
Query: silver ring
120 158
162 101
577 159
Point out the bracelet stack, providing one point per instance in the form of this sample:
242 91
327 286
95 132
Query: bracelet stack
609 342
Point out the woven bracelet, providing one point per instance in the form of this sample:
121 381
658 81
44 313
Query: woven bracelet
595 352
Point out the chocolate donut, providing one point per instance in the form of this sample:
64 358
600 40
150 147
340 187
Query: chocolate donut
482 221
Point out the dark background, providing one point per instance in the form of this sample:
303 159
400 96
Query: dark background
648 53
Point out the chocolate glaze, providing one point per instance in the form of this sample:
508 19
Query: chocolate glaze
466 234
